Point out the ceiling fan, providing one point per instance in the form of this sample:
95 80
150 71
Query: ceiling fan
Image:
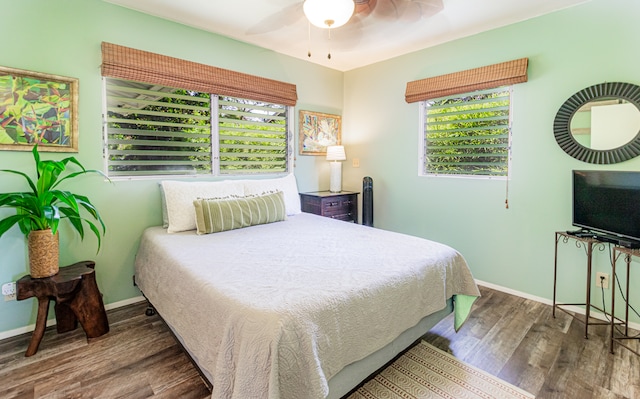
365 11
369 18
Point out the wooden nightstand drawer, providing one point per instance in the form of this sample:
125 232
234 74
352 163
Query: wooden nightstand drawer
333 206
341 206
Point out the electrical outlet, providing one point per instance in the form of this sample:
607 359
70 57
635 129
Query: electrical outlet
9 291
355 162
602 280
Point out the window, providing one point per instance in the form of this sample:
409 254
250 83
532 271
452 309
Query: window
158 130
467 129
467 134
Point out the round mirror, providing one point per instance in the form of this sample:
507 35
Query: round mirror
600 124
605 124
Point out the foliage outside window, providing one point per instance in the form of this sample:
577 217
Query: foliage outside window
153 130
467 135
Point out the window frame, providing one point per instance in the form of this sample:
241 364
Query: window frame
214 138
422 140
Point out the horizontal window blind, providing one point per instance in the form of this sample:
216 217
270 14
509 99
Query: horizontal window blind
158 130
252 136
468 135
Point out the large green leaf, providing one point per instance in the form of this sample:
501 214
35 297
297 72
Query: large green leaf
91 209
48 172
9 222
33 186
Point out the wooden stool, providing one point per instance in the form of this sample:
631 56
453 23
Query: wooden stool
77 298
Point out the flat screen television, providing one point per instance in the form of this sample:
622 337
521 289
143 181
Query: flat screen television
607 204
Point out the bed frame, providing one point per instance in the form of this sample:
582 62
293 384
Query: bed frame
350 378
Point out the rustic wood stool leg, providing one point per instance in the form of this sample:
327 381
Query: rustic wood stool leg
66 320
41 324
89 308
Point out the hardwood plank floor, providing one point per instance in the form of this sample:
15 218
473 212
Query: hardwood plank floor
138 358
515 339
519 341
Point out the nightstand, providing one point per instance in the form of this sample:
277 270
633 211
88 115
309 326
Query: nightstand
341 206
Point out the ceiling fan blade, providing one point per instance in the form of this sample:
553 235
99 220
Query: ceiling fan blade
349 35
410 11
407 10
429 8
285 17
388 9
364 7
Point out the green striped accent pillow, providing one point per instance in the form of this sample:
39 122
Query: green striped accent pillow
215 215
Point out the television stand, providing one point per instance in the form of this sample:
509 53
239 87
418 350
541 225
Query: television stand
620 337
588 243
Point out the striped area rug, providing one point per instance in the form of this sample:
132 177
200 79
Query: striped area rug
427 372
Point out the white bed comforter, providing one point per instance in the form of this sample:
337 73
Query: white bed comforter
274 311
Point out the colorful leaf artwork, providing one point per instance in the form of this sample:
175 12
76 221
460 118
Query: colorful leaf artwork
35 110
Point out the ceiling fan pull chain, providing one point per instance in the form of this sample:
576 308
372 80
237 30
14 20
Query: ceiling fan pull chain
308 39
329 54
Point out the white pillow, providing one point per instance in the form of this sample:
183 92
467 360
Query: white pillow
285 184
179 197
165 216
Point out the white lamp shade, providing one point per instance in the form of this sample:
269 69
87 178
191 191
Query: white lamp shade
336 153
328 13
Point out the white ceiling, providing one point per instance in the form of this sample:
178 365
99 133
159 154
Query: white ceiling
379 30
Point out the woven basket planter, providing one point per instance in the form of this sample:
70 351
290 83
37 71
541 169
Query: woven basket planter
43 253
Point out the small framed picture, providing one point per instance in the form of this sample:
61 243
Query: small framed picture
38 108
318 131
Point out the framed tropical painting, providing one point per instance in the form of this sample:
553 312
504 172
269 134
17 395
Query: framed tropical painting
38 108
317 132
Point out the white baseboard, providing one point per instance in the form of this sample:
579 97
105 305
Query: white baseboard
576 309
52 322
125 302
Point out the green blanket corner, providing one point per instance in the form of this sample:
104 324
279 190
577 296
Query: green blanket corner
461 308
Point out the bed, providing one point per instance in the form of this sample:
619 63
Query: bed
302 307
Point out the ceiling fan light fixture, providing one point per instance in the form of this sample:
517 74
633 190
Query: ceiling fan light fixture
328 13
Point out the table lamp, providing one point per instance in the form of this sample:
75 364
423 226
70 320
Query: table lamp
336 154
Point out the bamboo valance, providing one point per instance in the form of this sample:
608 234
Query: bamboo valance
143 66
486 77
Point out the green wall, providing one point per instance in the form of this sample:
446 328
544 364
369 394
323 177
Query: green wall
513 248
63 37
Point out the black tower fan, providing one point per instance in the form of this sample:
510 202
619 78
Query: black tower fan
367 201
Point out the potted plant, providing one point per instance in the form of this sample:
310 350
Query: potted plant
39 211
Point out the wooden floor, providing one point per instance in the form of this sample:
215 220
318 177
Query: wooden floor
519 341
515 339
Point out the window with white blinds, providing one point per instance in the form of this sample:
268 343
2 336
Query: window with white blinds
252 136
467 134
153 130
